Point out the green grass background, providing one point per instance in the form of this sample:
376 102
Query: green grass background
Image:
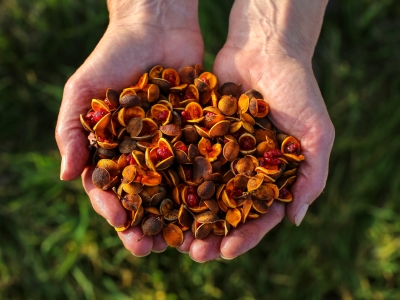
54 246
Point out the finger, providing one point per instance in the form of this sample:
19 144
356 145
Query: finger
159 243
203 250
188 239
313 171
105 203
135 242
70 136
248 235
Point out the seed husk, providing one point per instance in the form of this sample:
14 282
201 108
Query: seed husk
151 226
131 202
173 235
206 190
134 127
101 178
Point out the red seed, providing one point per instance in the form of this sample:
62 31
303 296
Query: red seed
237 192
205 80
189 95
292 148
183 148
209 116
283 193
108 103
209 149
196 113
247 143
188 173
271 157
163 115
171 78
192 200
191 190
262 107
163 153
186 115
130 160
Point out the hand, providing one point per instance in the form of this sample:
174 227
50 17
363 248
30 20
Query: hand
141 34
269 48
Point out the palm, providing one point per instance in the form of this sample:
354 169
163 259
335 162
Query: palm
296 108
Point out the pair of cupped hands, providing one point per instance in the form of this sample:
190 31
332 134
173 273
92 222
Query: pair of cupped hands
262 51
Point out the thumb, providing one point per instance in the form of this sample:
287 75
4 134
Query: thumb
70 136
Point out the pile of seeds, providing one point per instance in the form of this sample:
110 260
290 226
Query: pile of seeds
182 154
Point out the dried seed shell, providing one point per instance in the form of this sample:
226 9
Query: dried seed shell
173 235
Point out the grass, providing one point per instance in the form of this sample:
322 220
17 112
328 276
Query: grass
53 245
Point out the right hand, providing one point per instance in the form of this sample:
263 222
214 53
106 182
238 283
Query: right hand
140 35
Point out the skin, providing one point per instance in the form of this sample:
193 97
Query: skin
269 47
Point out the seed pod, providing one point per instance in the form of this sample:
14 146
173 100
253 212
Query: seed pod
131 202
151 226
201 231
233 216
101 178
221 227
129 100
230 89
187 75
173 235
228 105
206 190
291 149
185 218
137 216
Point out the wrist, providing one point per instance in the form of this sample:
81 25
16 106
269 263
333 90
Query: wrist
283 26
165 14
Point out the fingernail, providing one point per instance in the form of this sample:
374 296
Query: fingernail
300 214
226 258
63 167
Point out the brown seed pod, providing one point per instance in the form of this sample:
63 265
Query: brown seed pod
221 227
254 94
137 216
134 127
112 97
156 72
206 190
127 146
228 105
212 205
201 231
189 134
110 165
230 89
132 188
187 75
266 192
131 202
202 169
173 235
185 218
206 217
166 206
129 100
231 150
151 226
101 178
